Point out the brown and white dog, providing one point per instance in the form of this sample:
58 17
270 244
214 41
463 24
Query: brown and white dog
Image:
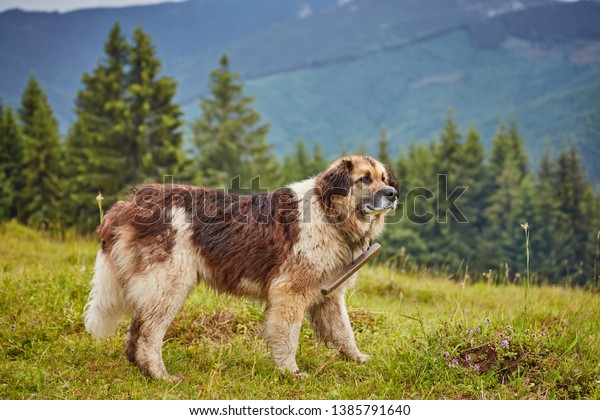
280 247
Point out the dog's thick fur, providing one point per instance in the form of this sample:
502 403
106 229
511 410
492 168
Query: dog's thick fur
279 247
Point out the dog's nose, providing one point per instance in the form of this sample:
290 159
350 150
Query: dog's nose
390 192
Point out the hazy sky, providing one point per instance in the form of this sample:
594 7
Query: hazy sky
66 5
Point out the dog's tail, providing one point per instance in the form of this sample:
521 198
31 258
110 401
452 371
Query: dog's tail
104 307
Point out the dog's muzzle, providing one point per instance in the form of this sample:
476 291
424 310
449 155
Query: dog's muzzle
383 200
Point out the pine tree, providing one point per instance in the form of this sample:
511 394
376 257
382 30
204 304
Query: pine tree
127 129
549 242
318 159
572 191
6 192
517 148
42 190
231 140
11 163
288 170
419 198
402 167
472 174
297 165
98 142
511 201
7 197
449 150
448 153
409 230
301 165
155 119
508 209
383 153
508 145
362 149
422 173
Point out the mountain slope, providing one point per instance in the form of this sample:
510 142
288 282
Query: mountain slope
59 47
411 89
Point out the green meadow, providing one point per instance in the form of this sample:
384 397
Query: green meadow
429 337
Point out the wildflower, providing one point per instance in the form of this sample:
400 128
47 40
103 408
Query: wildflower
470 331
533 335
478 329
526 330
504 343
447 356
468 358
500 335
454 363
509 327
476 367
525 226
99 199
487 321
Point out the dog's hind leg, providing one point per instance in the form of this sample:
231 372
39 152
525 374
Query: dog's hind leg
133 334
329 319
145 338
155 301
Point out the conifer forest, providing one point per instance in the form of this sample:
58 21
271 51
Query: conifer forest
490 213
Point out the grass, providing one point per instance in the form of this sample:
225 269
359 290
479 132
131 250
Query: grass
429 338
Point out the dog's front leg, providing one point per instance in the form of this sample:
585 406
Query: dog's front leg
283 318
329 319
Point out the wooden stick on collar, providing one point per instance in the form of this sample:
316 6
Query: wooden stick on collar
350 269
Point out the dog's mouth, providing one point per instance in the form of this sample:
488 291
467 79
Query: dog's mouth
385 205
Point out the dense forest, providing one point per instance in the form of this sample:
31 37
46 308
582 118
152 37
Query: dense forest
476 213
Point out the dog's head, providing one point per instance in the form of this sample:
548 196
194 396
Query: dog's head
359 186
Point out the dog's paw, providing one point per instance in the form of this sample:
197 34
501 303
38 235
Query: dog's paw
176 378
361 357
299 374
356 356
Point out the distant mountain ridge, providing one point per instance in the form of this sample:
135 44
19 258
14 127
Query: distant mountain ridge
336 71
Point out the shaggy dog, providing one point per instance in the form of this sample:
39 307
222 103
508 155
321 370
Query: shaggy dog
280 247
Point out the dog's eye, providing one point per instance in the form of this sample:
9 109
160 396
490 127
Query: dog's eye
366 179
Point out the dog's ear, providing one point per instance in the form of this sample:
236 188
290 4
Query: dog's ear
391 179
335 182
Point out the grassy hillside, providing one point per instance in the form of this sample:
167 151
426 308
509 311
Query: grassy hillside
428 338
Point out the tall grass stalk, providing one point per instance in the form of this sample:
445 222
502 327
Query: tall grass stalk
99 199
596 276
525 227
463 285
